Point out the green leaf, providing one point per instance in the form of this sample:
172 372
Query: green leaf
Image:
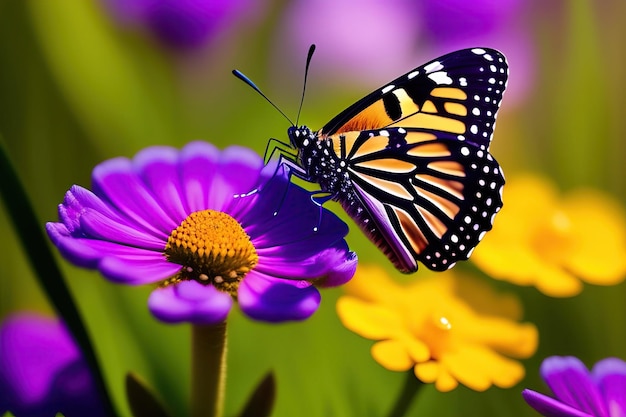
49 276
261 402
142 401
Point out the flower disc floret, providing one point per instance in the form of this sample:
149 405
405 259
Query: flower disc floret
212 246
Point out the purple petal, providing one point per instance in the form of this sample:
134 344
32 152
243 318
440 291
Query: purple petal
116 181
272 223
41 369
137 268
190 301
240 170
610 375
571 383
97 226
119 263
342 267
550 407
158 167
330 267
197 165
77 199
276 300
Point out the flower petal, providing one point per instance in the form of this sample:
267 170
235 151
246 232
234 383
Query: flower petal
275 300
119 263
610 375
137 268
368 320
277 227
331 267
99 227
212 178
190 301
158 168
239 172
75 201
571 383
550 407
392 355
117 183
197 166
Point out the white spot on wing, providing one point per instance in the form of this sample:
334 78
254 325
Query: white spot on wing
441 78
433 66
412 75
388 88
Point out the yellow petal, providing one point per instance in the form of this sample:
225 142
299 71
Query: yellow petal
445 381
427 371
552 280
368 320
392 355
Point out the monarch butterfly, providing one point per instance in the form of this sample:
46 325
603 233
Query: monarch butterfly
410 162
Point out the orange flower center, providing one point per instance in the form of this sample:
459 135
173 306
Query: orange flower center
213 248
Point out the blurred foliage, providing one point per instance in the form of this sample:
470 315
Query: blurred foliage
75 89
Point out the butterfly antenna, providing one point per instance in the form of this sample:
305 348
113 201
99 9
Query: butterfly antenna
306 74
248 81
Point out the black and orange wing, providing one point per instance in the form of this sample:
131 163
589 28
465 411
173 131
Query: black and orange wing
418 157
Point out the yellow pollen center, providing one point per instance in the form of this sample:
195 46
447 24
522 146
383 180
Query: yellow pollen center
213 248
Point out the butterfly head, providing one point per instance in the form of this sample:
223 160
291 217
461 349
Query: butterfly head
300 137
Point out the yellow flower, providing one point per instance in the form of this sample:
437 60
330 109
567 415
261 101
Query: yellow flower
553 242
449 330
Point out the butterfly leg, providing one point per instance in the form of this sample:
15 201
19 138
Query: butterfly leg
319 198
277 146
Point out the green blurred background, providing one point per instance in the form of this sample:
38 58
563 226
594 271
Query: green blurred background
76 88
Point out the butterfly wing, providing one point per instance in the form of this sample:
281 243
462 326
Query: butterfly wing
425 186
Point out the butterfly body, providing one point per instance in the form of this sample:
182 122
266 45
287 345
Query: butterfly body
410 162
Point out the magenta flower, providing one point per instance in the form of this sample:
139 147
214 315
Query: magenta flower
578 392
42 371
180 24
207 227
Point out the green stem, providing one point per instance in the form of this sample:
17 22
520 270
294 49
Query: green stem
411 387
208 370
37 248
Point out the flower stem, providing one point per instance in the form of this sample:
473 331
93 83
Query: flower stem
208 370
411 387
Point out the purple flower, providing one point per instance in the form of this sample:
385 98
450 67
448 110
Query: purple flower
373 42
208 227
42 371
180 24
578 392
457 24
360 41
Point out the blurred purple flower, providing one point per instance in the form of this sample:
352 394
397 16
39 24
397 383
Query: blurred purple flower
42 371
373 42
208 227
457 24
363 41
180 24
578 392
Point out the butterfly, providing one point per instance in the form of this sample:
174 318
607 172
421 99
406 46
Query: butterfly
410 162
